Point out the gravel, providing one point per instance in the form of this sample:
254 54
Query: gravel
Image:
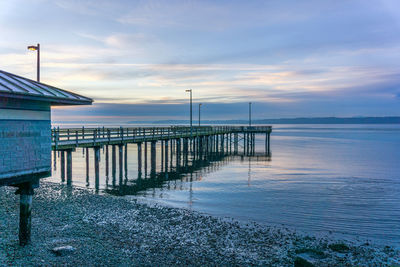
107 230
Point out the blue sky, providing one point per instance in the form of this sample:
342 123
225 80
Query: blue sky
136 58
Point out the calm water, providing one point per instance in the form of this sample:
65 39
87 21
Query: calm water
339 178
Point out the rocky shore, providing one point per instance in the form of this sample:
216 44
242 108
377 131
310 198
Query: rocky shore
76 227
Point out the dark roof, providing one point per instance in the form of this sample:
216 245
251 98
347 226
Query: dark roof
15 86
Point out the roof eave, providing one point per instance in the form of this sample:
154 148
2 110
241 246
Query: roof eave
54 101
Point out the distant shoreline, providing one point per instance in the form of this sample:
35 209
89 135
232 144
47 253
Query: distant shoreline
322 120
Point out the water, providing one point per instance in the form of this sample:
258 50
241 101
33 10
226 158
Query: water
320 178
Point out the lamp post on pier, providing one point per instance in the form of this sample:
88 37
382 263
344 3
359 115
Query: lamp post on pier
199 113
250 114
36 48
190 91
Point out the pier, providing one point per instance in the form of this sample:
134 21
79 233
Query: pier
175 145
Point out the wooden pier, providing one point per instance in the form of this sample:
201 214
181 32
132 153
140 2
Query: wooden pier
199 142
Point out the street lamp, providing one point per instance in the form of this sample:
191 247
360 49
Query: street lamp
190 90
36 48
199 113
250 114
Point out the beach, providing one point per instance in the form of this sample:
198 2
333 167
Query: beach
108 230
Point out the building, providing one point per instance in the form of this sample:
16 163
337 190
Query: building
25 131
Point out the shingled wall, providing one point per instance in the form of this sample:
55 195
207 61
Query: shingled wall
25 139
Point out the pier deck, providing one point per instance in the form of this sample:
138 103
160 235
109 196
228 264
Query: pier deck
69 138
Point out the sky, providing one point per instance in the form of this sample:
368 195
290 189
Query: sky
289 58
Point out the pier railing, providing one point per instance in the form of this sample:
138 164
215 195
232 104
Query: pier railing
83 137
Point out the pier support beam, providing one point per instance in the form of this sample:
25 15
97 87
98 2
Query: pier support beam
121 159
87 166
235 143
153 158
139 149
230 143
145 158
194 148
247 143
114 161
185 151
222 143
126 161
55 159
178 152
96 167
172 154
69 166
62 166
162 155
107 159
166 156
244 143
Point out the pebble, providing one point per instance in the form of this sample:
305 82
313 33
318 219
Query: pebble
63 250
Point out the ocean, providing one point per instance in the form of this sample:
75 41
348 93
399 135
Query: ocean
336 179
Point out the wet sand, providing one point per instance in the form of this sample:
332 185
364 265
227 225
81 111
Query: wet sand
109 230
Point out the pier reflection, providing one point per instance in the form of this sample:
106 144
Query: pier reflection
188 167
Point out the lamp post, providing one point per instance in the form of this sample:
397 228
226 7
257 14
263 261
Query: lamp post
199 113
36 48
250 114
190 91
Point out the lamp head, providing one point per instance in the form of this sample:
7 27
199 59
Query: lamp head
189 90
32 48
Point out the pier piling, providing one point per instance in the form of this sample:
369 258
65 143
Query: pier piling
69 167
120 159
62 159
87 166
166 155
126 161
114 161
107 161
145 158
153 158
96 166
139 149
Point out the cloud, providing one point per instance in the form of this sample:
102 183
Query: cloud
285 54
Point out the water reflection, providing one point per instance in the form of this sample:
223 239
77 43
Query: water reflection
188 168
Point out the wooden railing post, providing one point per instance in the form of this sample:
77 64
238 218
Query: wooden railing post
94 136
56 137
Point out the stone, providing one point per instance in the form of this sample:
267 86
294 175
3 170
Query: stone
300 262
340 247
63 250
